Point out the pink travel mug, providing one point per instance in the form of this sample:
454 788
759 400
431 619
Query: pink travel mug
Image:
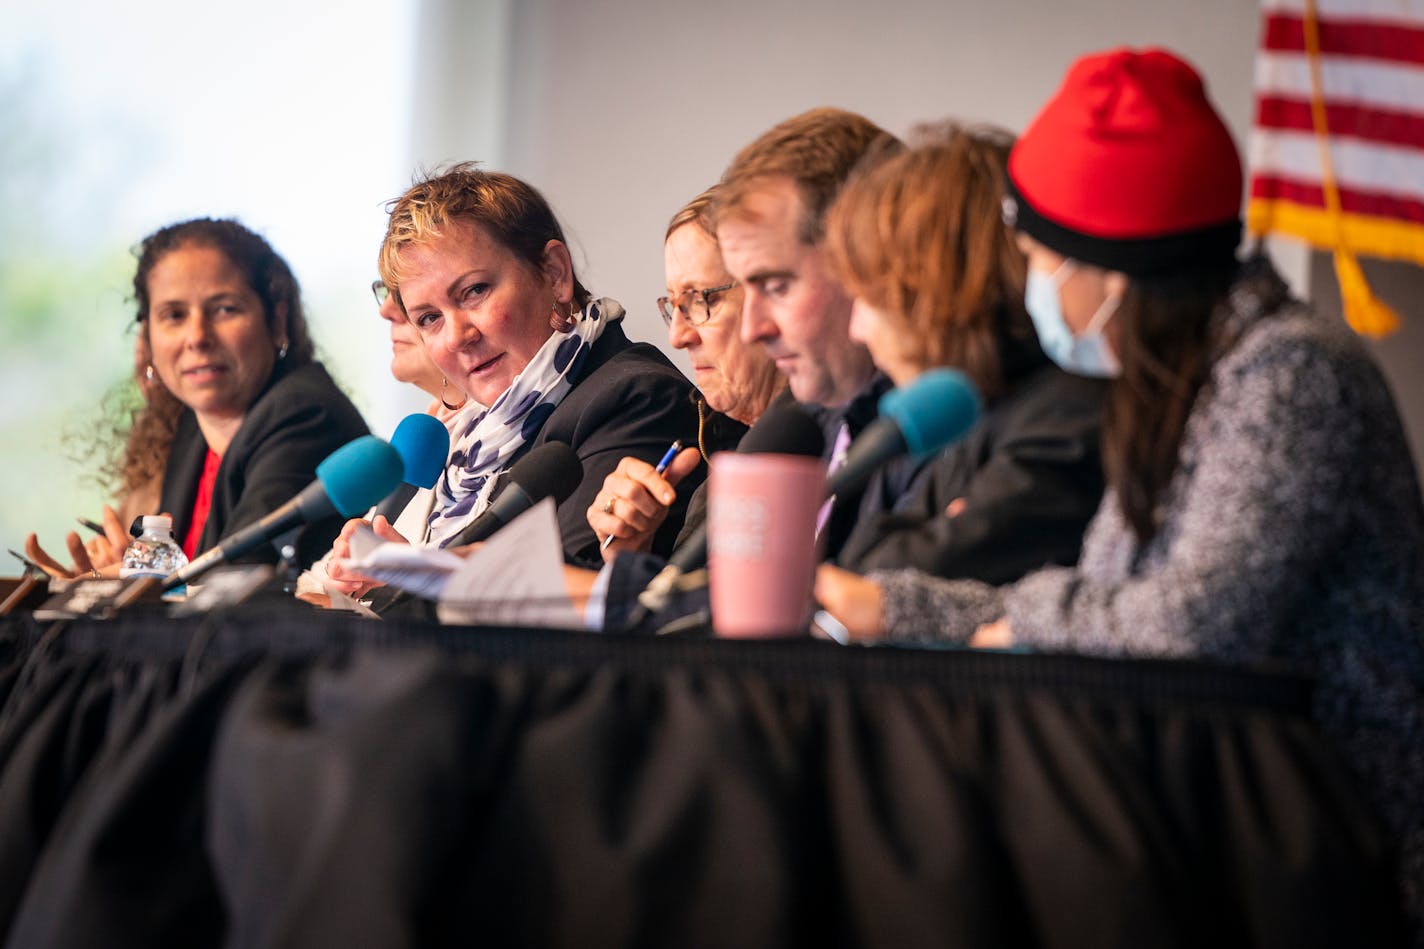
761 542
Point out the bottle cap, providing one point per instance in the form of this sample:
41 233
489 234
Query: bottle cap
158 522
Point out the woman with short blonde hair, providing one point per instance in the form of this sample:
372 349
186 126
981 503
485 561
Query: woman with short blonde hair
481 267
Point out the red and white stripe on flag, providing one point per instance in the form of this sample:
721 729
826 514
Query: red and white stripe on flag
1372 87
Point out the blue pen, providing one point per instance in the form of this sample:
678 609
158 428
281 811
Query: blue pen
668 456
661 466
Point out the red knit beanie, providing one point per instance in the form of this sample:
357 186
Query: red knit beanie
1130 168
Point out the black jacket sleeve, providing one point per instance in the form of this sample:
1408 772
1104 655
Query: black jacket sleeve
1024 484
295 423
632 402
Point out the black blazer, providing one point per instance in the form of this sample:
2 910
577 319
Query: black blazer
885 489
1030 475
299 419
627 399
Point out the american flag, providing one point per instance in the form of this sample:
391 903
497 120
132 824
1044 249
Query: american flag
1337 152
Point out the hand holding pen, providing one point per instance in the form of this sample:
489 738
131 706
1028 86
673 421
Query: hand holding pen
635 497
111 540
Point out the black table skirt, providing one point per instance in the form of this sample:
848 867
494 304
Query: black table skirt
301 779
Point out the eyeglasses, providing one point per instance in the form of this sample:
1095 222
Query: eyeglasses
693 304
380 291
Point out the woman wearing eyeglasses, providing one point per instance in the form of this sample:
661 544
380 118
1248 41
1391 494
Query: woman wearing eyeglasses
408 507
735 381
410 363
703 315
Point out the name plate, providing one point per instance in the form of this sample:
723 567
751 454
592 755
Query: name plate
102 597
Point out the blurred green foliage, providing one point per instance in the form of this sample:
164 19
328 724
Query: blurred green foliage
64 314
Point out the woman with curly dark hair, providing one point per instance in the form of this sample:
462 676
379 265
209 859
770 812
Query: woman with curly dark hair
221 316
918 241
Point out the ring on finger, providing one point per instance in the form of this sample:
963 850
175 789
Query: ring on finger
608 506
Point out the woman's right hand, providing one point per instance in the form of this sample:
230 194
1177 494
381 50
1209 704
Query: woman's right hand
634 502
349 582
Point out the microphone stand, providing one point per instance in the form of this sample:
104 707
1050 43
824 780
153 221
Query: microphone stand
660 592
25 592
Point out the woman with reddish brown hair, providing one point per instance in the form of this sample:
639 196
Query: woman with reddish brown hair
917 239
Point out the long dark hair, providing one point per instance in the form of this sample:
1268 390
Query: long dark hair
139 422
1166 337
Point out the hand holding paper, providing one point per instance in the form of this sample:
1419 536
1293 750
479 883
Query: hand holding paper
514 578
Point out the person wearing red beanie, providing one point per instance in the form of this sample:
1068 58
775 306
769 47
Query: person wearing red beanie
1262 504
1129 167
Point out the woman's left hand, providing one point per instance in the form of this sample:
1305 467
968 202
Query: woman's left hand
857 602
349 582
108 549
996 635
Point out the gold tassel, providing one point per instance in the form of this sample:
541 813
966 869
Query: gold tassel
1363 311
1366 313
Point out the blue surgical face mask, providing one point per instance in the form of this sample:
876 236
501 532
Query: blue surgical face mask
1087 355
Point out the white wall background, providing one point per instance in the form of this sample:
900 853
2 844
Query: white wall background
116 119
622 110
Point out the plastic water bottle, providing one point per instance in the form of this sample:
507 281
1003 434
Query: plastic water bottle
154 553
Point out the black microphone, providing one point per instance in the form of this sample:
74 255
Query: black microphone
784 430
922 417
348 481
553 470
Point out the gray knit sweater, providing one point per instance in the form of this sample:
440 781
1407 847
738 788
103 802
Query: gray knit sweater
1293 530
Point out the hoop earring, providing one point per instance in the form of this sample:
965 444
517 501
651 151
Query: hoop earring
448 406
560 322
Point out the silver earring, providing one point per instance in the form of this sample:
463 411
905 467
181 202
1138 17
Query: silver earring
282 351
148 373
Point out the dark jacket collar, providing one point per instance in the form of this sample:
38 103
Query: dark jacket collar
859 412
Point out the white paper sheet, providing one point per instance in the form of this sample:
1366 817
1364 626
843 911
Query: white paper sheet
516 578
419 570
